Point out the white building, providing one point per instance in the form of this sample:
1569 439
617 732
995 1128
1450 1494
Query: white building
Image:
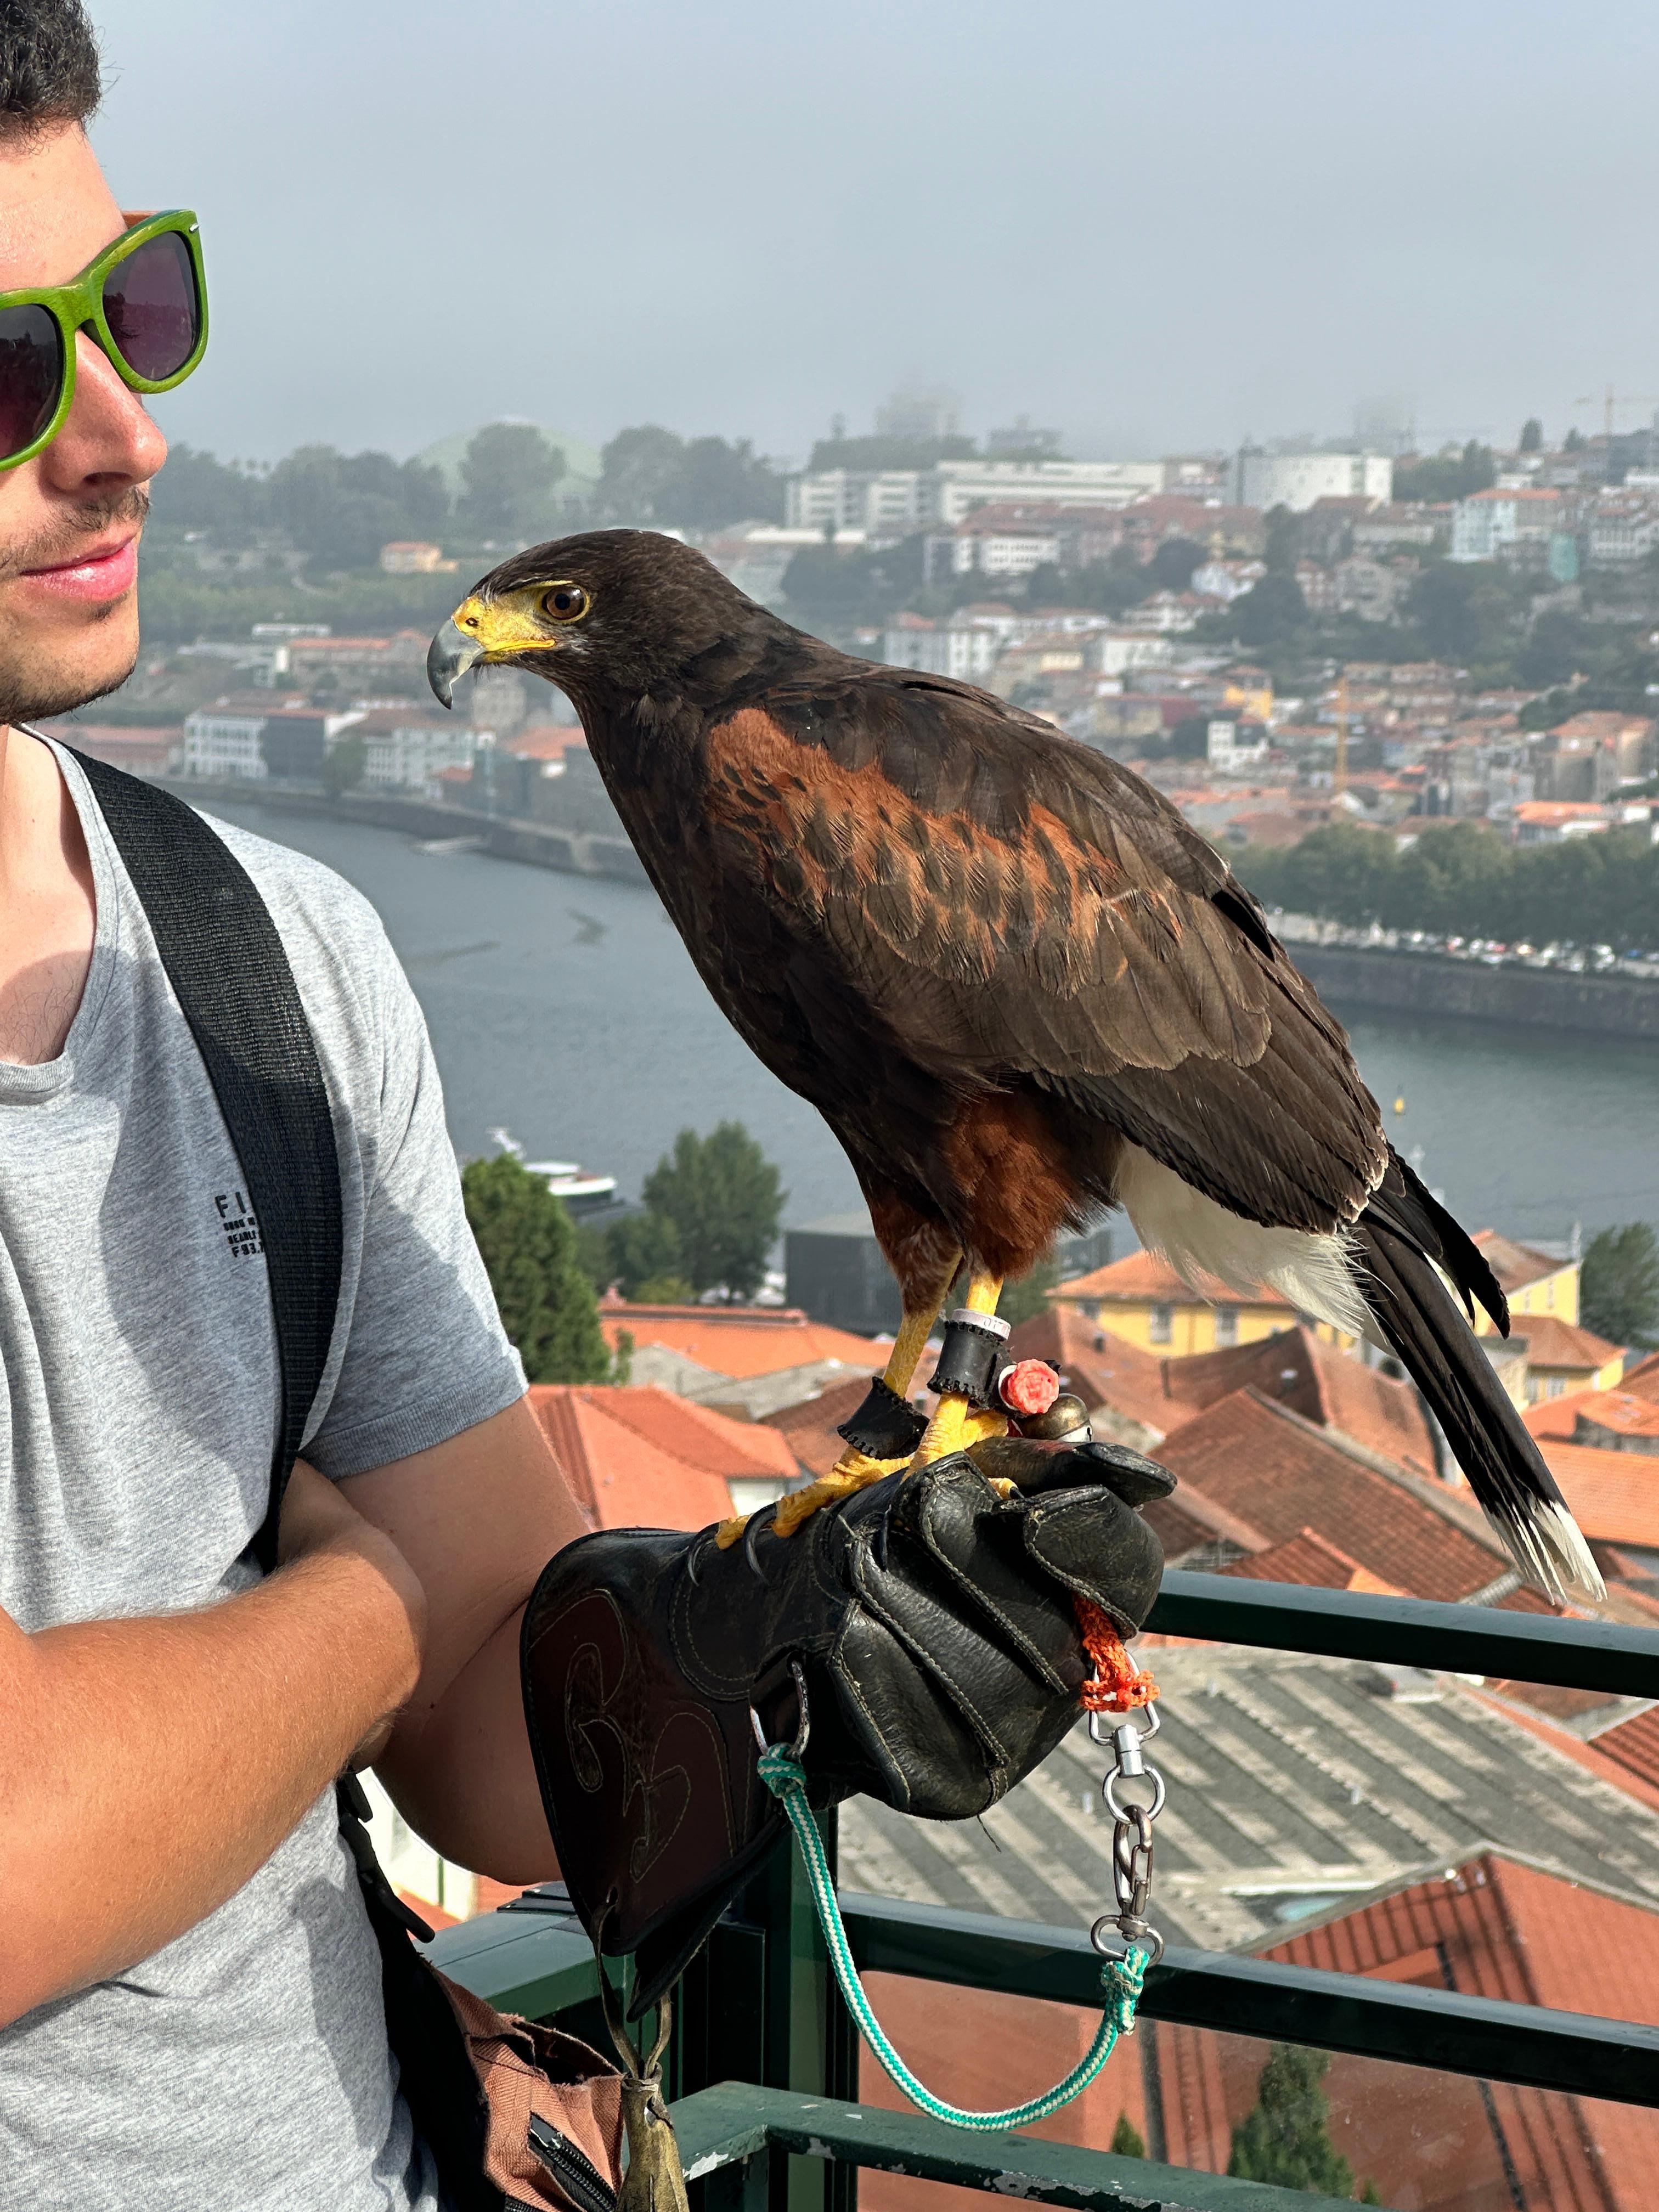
1487 524
1296 480
1121 650
1623 526
405 750
223 739
997 541
959 647
893 503
881 502
1223 752
958 487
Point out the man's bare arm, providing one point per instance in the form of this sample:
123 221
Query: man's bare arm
149 1767
478 1519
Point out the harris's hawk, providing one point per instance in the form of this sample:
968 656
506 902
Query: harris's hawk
1011 978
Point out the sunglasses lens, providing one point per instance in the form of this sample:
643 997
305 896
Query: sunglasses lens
30 375
151 306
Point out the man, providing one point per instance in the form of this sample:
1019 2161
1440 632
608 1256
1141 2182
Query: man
190 2003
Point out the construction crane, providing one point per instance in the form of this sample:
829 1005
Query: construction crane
1610 399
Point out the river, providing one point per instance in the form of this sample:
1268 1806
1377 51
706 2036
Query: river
565 1008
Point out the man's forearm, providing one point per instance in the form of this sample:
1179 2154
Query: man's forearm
464 1776
149 1767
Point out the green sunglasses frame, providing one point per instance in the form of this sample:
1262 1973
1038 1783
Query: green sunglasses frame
80 306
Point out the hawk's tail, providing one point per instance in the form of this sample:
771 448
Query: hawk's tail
1444 1358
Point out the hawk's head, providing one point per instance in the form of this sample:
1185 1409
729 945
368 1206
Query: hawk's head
622 611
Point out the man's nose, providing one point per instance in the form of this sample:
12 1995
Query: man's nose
109 437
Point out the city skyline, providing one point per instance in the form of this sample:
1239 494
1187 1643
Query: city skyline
1155 234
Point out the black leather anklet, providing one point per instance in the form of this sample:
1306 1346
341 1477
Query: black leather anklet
971 1355
885 1426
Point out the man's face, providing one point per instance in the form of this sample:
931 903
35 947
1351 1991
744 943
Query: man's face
69 518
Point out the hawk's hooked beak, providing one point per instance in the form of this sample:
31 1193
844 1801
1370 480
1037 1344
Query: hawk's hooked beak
480 629
449 656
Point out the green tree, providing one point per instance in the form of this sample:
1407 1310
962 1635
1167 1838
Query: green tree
1272 612
198 492
644 1253
1554 650
652 475
1619 1286
639 470
1190 737
722 1195
1462 880
340 508
528 1247
1464 610
832 587
1107 588
1286 2137
1449 474
1127 2138
507 476
722 482
1574 441
1532 435
1281 541
1173 564
344 764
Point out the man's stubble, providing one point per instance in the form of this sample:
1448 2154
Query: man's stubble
37 679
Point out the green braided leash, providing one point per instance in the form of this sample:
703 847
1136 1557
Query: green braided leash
1120 1979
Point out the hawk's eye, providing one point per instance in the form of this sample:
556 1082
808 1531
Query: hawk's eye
566 602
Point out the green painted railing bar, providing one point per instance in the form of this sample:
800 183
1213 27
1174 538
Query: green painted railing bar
536 1963
1453 1639
1482 2036
734 2122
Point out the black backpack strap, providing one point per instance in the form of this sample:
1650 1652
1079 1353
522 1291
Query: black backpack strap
231 977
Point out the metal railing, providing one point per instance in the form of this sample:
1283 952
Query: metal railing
763 2067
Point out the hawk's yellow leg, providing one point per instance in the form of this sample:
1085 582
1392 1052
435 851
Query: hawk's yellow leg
854 1469
955 1425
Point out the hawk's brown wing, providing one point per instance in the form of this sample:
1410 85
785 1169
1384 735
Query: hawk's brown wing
1011 904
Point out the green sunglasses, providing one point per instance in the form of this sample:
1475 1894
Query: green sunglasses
144 300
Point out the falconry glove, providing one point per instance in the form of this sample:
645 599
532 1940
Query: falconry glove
932 1617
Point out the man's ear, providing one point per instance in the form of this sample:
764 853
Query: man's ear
130 215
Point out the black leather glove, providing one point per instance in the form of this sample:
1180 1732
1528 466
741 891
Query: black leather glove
932 1617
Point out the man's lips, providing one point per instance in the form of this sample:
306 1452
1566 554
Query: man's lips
101 572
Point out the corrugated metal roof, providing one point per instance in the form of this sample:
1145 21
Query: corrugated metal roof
1295 1782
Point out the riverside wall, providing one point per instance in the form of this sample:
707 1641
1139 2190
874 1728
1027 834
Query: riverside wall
575 852
1427 983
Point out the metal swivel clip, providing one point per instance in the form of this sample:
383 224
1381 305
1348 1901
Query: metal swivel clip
1132 1835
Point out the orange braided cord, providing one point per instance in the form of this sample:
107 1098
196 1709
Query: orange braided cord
1118 1684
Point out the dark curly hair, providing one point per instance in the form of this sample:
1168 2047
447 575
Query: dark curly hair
49 70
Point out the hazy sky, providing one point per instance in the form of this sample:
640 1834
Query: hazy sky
1154 227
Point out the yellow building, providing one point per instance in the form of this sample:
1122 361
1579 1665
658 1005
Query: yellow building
1554 1353
1142 1299
1534 1282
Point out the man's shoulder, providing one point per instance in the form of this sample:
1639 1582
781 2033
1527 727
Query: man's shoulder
348 974
294 885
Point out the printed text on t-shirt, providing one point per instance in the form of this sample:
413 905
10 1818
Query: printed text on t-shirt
241 1228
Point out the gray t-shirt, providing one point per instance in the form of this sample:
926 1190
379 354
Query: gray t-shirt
243 2066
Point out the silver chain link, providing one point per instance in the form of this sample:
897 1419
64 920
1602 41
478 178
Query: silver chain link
1132 1834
